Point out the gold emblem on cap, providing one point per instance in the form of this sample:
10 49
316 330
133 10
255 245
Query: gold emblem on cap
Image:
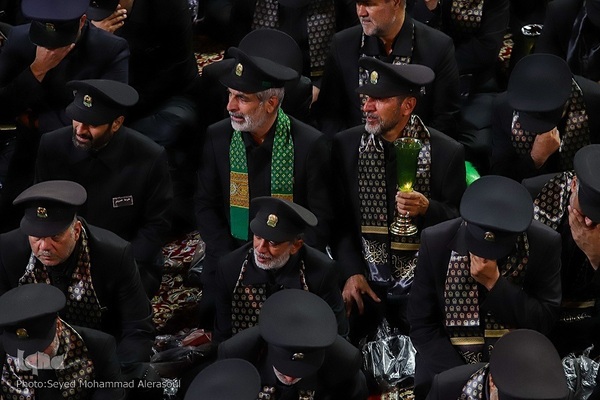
297 356
239 69
87 100
374 77
272 220
42 212
22 333
489 236
50 27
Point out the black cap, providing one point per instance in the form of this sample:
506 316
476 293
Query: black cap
100 101
100 9
251 73
298 326
587 164
592 8
280 220
50 207
55 23
538 88
273 45
525 366
28 317
230 379
389 80
496 210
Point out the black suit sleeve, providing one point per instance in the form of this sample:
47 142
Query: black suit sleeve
212 224
318 191
450 179
157 220
536 305
135 311
333 102
102 349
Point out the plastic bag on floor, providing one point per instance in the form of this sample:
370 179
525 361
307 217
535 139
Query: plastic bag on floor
389 359
581 374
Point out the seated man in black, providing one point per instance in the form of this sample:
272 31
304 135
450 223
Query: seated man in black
478 276
124 173
297 351
38 348
569 203
276 259
59 45
538 127
523 366
92 266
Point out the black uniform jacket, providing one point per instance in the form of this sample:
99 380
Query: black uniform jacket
311 190
558 27
339 107
448 385
321 278
446 189
127 314
535 305
128 185
506 161
97 55
339 378
102 352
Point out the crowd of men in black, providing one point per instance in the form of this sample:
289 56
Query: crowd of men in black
287 156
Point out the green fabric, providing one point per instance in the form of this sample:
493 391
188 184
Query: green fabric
472 174
282 174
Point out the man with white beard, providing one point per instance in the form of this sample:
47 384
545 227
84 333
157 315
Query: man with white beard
375 264
257 151
276 259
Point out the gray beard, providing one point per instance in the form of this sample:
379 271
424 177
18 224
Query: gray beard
274 264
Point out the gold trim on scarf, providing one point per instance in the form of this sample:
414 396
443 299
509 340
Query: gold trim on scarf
467 341
239 190
578 304
405 246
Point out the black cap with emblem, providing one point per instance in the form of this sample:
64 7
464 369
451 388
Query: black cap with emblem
50 207
496 210
100 9
587 164
100 101
538 88
389 80
54 23
525 365
298 326
250 73
280 220
230 379
28 318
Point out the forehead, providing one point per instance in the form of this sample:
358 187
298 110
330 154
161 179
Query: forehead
237 93
374 2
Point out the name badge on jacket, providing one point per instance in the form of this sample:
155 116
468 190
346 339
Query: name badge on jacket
123 201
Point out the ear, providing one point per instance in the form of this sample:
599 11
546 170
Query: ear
408 105
574 184
77 229
82 21
117 123
271 104
296 246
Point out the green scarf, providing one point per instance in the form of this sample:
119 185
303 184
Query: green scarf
282 174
